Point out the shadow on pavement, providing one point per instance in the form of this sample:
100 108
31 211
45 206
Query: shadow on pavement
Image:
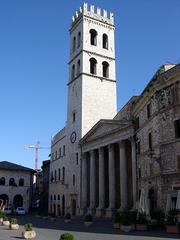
104 226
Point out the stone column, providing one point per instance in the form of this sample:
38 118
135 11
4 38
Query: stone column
92 180
84 182
123 175
111 179
133 156
101 183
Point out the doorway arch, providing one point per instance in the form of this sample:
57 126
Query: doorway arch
18 201
5 199
73 207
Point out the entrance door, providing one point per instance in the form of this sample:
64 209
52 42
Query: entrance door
74 207
18 201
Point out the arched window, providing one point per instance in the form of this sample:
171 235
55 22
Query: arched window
74 180
93 63
105 69
93 37
2 181
74 44
73 72
12 182
105 41
54 197
79 39
78 67
63 174
21 182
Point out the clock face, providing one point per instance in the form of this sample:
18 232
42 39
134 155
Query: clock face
73 137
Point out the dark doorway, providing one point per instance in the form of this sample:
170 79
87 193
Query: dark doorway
74 207
63 205
18 201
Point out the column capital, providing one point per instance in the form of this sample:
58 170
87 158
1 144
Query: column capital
111 147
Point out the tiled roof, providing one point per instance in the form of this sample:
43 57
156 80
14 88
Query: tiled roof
12 166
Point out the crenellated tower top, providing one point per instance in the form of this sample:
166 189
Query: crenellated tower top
90 11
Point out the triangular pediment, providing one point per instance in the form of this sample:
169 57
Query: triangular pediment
102 128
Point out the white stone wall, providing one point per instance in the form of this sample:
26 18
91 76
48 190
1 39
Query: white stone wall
11 191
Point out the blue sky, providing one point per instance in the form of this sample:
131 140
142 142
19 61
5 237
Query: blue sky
34 52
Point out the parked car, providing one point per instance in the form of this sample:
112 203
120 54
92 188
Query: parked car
7 210
20 211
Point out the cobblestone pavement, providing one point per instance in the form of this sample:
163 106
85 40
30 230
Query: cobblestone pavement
48 229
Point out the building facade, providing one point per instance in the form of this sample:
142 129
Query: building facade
91 97
138 150
16 185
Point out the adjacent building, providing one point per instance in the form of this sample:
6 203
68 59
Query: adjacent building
16 185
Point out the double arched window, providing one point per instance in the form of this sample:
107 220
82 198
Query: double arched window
12 182
2 181
21 182
78 67
63 174
74 44
105 41
79 39
93 37
105 69
73 72
93 64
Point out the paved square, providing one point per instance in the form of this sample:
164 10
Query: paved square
102 229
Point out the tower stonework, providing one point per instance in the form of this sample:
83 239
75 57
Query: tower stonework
91 97
91 88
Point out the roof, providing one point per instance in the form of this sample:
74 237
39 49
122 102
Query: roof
12 166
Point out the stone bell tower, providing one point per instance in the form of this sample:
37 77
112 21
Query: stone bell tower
92 82
92 79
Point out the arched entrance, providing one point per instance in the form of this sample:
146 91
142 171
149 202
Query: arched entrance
18 201
5 199
73 207
63 205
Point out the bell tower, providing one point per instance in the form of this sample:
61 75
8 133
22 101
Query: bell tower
91 85
92 79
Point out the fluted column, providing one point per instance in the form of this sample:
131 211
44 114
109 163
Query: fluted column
92 180
84 181
101 179
123 175
133 155
111 177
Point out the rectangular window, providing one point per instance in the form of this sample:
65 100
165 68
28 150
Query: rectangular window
177 128
74 116
178 162
59 174
148 111
59 152
77 158
150 141
74 180
64 151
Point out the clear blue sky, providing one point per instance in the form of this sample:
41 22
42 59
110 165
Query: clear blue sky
34 51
